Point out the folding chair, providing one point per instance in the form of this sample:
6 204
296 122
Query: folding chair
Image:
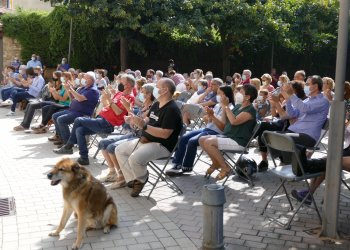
184 96
159 172
284 143
319 143
347 186
233 164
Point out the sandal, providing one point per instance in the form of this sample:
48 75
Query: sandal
225 172
209 171
110 177
118 183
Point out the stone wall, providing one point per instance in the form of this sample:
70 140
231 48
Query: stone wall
32 5
11 48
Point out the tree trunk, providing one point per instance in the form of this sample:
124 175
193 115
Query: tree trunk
225 60
123 53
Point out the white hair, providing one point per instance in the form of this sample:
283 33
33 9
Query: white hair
159 73
247 71
91 74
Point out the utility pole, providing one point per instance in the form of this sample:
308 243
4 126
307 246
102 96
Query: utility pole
336 131
70 38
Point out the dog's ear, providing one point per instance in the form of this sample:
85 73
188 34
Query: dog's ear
76 167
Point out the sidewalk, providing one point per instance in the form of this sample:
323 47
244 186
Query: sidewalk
166 221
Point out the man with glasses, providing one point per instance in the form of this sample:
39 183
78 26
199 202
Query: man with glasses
310 115
207 99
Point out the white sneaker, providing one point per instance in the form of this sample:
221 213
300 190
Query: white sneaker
11 113
8 102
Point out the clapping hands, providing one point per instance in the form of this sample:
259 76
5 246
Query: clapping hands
126 103
134 120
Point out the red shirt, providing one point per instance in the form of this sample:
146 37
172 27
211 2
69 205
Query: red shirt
110 115
134 91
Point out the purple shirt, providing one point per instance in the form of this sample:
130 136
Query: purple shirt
85 107
210 97
311 113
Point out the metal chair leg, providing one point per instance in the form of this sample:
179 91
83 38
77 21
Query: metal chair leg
273 195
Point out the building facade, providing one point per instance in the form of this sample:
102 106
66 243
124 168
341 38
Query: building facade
9 47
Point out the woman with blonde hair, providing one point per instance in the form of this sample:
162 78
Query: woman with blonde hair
327 88
139 98
283 79
256 83
266 83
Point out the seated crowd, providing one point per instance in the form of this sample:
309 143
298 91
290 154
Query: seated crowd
151 111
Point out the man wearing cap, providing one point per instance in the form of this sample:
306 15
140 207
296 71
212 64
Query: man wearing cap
115 107
34 62
34 87
83 103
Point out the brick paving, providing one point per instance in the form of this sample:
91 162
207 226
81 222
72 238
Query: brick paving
166 221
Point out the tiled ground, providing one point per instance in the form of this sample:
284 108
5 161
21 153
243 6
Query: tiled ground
166 221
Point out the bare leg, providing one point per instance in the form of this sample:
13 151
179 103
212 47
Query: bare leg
116 167
210 146
263 156
186 118
315 183
346 163
110 164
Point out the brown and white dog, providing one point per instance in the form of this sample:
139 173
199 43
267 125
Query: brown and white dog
85 196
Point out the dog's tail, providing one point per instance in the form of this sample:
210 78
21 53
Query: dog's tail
110 215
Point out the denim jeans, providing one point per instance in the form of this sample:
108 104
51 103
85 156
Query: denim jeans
18 95
110 143
5 93
87 126
186 151
62 120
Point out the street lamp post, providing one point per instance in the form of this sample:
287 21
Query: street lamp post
336 131
70 39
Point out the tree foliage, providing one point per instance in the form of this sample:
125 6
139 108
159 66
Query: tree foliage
245 31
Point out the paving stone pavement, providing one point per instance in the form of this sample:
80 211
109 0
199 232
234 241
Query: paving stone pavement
166 221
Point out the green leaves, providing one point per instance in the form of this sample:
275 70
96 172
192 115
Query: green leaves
242 28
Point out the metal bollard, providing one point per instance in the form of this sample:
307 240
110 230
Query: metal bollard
213 199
